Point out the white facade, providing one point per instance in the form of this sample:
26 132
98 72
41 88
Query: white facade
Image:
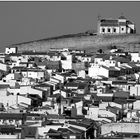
98 61
67 64
104 113
54 110
108 63
79 107
52 79
42 130
6 136
61 92
19 58
52 83
113 30
115 104
95 71
14 99
103 105
115 26
81 73
93 112
33 74
53 57
59 77
135 56
3 67
136 105
3 92
10 76
10 50
135 90
25 90
84 58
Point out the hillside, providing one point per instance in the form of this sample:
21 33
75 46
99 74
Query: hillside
83 41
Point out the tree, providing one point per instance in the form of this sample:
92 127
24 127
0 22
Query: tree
113 47
100 51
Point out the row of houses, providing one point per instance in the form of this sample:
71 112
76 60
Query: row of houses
69 88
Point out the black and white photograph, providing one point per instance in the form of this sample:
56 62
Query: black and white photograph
70 70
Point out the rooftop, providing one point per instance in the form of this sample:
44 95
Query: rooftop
109 22
122 17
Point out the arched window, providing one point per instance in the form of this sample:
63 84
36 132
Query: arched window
108 30
114 30
103 30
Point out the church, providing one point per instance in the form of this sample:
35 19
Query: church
116 26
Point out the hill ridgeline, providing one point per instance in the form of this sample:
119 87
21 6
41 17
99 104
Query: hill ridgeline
90 43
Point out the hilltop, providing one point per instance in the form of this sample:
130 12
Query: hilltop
87 41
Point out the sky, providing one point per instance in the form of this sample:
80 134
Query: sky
26 21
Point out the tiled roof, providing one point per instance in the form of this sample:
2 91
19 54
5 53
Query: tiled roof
4 86
113 109
122 17
122 60
53 54
66 74
121 94
26 62
82 85
105 98
53 131
19 67
67 90
122 23
72 84
31 123
106 67
29 131
100 55
119 82
16 116
120 100
84 54
129 22
109 22
75 130
43 85
132 64
14 54
75 99
9 129
34 53
55 116
113 69
78 124
64 130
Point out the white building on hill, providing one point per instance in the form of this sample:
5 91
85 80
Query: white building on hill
115 26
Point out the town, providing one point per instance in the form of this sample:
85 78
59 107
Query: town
70 94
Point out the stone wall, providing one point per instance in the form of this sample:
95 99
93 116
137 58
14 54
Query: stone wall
120 127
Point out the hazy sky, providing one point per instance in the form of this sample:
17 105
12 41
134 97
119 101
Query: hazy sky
26 21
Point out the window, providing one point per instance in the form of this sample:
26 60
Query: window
114 30
103 30
108 30
122 29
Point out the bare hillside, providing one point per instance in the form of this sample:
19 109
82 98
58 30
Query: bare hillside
82 41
